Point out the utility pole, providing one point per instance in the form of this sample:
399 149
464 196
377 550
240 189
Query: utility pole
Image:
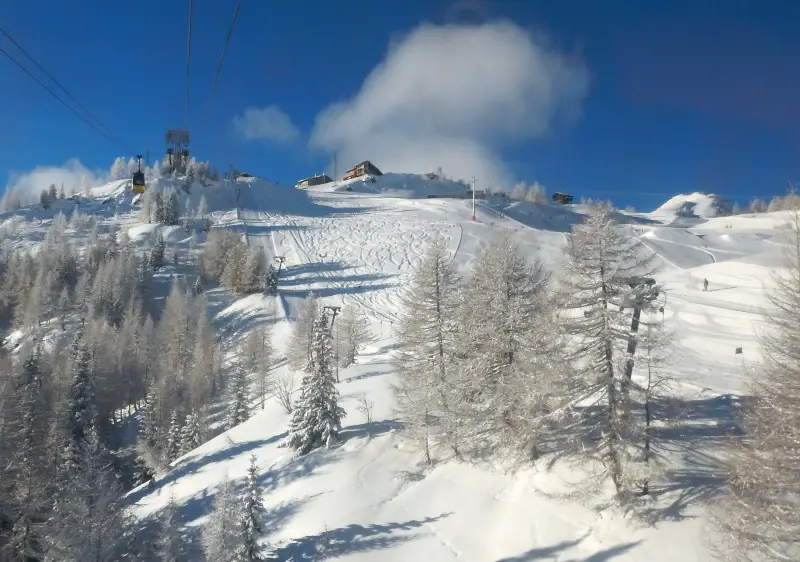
280 260
472 218
334 311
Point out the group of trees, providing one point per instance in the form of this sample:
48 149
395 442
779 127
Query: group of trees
161 205
758 517
227 259
63 458
123 169
502 362
534 193
777 203
51 194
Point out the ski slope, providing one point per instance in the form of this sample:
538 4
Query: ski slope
368 499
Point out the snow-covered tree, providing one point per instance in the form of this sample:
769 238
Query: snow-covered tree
119 169
174 435
238 402
220 534
157 251
428 333
300 343
271 280
257 355
191 433
758 518
317 416
506 351
352 334
250 518
602 264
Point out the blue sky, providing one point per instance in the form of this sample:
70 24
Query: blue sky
647 99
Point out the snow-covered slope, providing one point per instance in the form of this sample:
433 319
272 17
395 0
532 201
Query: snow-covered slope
368 499
693 205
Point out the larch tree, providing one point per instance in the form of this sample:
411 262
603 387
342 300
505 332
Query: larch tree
604 272
428 333
506 352
352 334
257 354
317 416
758 517
300 344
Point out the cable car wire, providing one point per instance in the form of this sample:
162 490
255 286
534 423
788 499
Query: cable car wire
55 95
221 59
188 66
108 134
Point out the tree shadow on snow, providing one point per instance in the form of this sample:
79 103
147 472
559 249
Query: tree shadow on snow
323 292
193 464
372 429
551 552
352 539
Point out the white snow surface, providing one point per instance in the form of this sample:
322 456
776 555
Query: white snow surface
692 205
368 498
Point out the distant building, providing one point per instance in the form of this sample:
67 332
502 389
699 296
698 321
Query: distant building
363 169
562 198
314 180
241 175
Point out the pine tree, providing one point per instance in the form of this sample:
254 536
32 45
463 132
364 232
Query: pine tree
602 263
251 514
428 334
758 518
156 259
88 521
81 403
197 288
174 437
317 416
220 533
119 169
271 281
238 403
191 434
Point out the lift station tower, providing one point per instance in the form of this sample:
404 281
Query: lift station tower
177 149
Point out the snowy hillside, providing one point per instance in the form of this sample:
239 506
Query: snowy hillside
694 205
369 498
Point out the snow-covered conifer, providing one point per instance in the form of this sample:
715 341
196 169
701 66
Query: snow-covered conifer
428 334
602 265
506 350
238 403
174 435
156 259
250 518
191 434
220 533
317 416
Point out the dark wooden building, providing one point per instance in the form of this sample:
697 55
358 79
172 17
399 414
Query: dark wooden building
562 198
314 180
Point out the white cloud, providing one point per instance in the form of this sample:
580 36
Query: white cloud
267 123
29 185
453 96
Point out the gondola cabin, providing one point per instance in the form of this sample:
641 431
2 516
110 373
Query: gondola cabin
137 182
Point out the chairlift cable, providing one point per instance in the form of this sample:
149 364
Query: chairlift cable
55 95
221 60
108 134
188 66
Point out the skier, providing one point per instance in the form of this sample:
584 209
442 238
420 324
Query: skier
705 284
